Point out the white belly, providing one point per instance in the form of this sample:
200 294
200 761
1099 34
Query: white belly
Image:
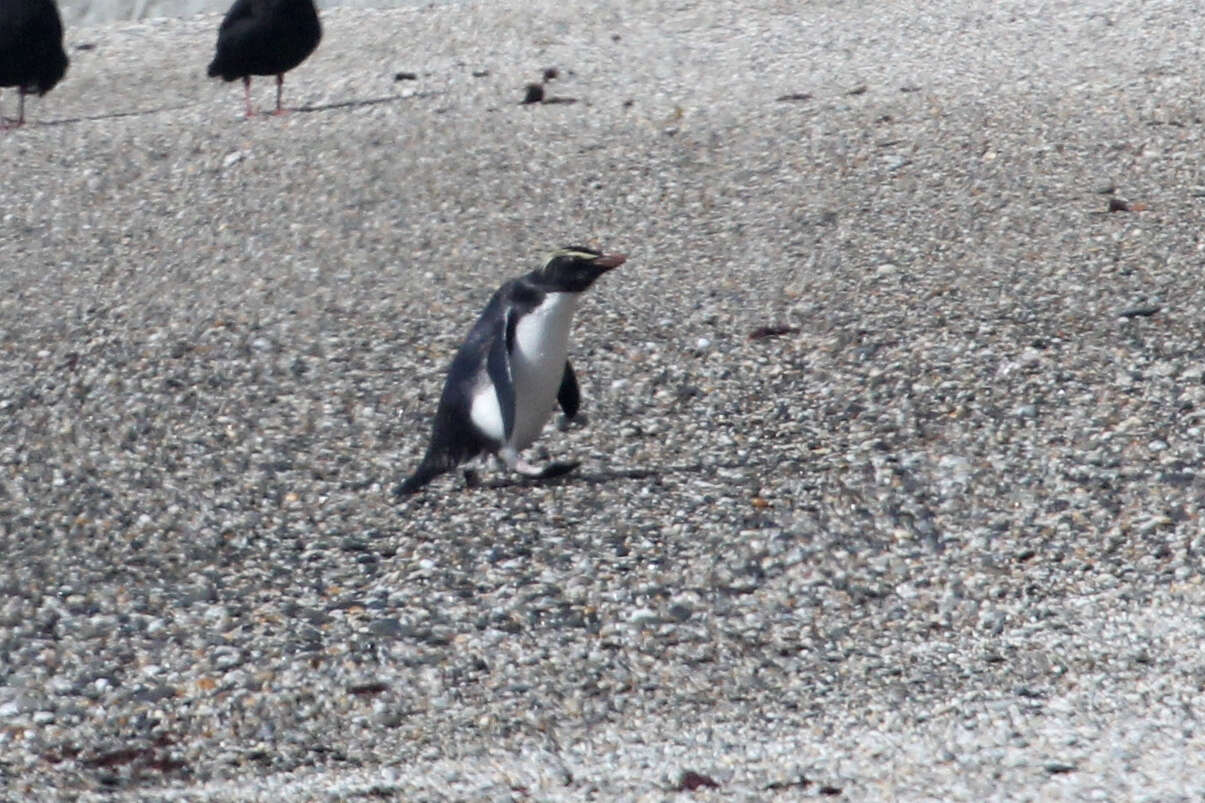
538 363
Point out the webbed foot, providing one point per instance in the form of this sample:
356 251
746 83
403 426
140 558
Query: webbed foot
520 466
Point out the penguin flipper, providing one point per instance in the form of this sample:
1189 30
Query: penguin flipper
497 365
569 396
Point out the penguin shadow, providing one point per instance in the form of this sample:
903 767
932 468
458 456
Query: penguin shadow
570 477
565 474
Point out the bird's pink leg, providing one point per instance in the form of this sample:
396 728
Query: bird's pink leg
280 85
247 95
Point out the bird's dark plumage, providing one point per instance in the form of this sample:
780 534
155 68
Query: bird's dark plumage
265 37
486 355
31 47
453 443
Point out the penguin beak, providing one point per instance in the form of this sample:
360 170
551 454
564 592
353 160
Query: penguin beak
608 261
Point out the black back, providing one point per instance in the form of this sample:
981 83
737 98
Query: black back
265 37
453 438
31 45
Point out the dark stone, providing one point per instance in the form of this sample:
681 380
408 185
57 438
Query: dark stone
534 93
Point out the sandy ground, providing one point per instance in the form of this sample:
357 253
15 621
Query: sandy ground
891 485
84 13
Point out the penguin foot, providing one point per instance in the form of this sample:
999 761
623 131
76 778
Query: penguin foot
521 466
564 423
510 458
471 479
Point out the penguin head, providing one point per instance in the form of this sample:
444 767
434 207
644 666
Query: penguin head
574 268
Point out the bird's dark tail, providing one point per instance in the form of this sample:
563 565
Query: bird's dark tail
432 466
415 482
452 443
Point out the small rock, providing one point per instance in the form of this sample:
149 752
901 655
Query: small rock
388 627
691 780
643 617
534 93
227 657
1026 411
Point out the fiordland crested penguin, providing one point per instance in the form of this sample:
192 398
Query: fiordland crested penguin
31 49
265 37
512 370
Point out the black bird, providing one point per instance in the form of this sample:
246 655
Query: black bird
264 37
31 48
512 370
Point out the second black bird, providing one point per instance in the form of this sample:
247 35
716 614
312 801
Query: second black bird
265 37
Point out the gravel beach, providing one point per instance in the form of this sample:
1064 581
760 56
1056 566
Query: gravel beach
892 484
93 12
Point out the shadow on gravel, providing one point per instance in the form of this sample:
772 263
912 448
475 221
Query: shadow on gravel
472 483
601 477
343 104
355 104
110 115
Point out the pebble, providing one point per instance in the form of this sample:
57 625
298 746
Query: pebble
643 617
